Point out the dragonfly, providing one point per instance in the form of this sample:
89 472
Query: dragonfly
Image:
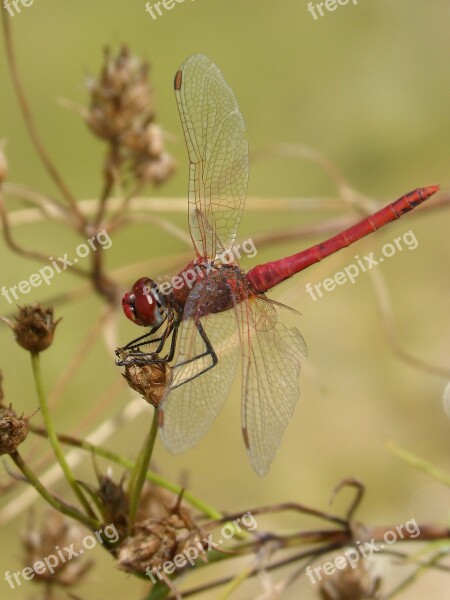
205 323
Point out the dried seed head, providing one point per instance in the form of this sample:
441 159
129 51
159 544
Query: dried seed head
351 584
114 502
120 97
34 328
154 171
151 381
121 112
154 501
13 429
157 540
54 535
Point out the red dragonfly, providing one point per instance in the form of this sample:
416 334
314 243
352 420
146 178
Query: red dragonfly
206 320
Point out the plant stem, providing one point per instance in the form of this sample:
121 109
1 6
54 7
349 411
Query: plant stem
53 438
420 463
48 497
204 508
79 219
140 471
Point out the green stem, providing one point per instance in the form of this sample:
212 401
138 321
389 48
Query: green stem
203 507
53 438
54 502
419 463
140 471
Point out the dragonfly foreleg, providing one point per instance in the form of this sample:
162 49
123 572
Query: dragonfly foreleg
209 351
131 354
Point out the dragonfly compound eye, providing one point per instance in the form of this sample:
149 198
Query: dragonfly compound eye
144 305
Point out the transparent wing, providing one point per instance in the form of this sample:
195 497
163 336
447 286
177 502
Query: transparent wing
272 353
218 153
189 410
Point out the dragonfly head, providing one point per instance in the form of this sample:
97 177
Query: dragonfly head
145 305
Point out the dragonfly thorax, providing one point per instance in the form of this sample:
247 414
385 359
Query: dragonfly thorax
145 305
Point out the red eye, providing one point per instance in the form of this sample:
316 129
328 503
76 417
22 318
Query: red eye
143 305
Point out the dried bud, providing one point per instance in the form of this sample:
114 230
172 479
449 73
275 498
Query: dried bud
121 112
121 97
114 503
13 429
34 328
3 162
351 584
154 501
151 381
154 171
55 536
158 540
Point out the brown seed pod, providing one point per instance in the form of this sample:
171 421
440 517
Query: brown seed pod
51 540
151 381
121 113
121 97
13 429
158 540
351 584
34 328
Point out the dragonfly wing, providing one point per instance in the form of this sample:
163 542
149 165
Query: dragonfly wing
190 409
214 131
272 354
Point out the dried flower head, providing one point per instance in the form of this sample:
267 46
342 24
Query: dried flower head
114 503
120 97
34 327
53 538
13 429
157 540
151 381
351 584
121 112
154 501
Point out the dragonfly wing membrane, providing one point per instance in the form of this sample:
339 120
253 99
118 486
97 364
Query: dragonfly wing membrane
272 354
214 131
190 409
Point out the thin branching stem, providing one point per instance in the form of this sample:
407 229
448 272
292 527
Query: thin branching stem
15 247
140 471
53 438
195 502
48 497
40 148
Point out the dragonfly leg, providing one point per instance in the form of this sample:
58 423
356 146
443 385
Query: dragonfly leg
143 339
209 351
132 354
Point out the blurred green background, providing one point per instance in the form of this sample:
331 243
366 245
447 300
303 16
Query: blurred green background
367 86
